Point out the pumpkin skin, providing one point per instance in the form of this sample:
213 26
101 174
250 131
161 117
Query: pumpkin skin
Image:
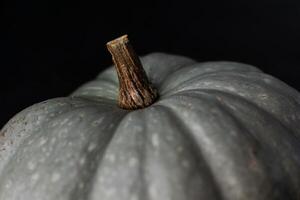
219 130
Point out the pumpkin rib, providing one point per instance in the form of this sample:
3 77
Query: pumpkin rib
95 109
158 69
143 169
91 90
242 98
235 168
289 118
271 83
27 119
250 103
193 148
199 70
285 170
109 172
289 146
76 193
247 77
98 100
23 155
258 93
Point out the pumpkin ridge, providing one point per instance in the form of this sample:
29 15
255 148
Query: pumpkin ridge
218 67
21 118
202 77
249 101
110 154
91 89
258 77
260 109
251 76
152 65
143 159
287 116
194 147
285 189
76 194
229 193
292 144
72 103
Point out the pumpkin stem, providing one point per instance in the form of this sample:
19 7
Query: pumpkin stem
135 90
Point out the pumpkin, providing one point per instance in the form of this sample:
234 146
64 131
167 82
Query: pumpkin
212 130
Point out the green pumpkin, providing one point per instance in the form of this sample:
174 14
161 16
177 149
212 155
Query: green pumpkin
219 130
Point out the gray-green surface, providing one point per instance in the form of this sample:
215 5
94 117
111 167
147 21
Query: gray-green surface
220 130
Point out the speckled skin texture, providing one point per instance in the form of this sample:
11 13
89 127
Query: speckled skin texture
219 131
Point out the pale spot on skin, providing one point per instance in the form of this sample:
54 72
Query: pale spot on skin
44 149
8 184
54 124
185 163
134 197
267 80
31 165
101 180
30 142
25 150
263 96
53 140
92 147
81 185
110 192
97 122
82 161
133 162
64 121
81 115
153 192
55 177
111 157
35 177
232 89
70 123
155 140
42 141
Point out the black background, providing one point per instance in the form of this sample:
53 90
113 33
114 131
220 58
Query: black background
48 48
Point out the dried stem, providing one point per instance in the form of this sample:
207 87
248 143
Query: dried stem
135 90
